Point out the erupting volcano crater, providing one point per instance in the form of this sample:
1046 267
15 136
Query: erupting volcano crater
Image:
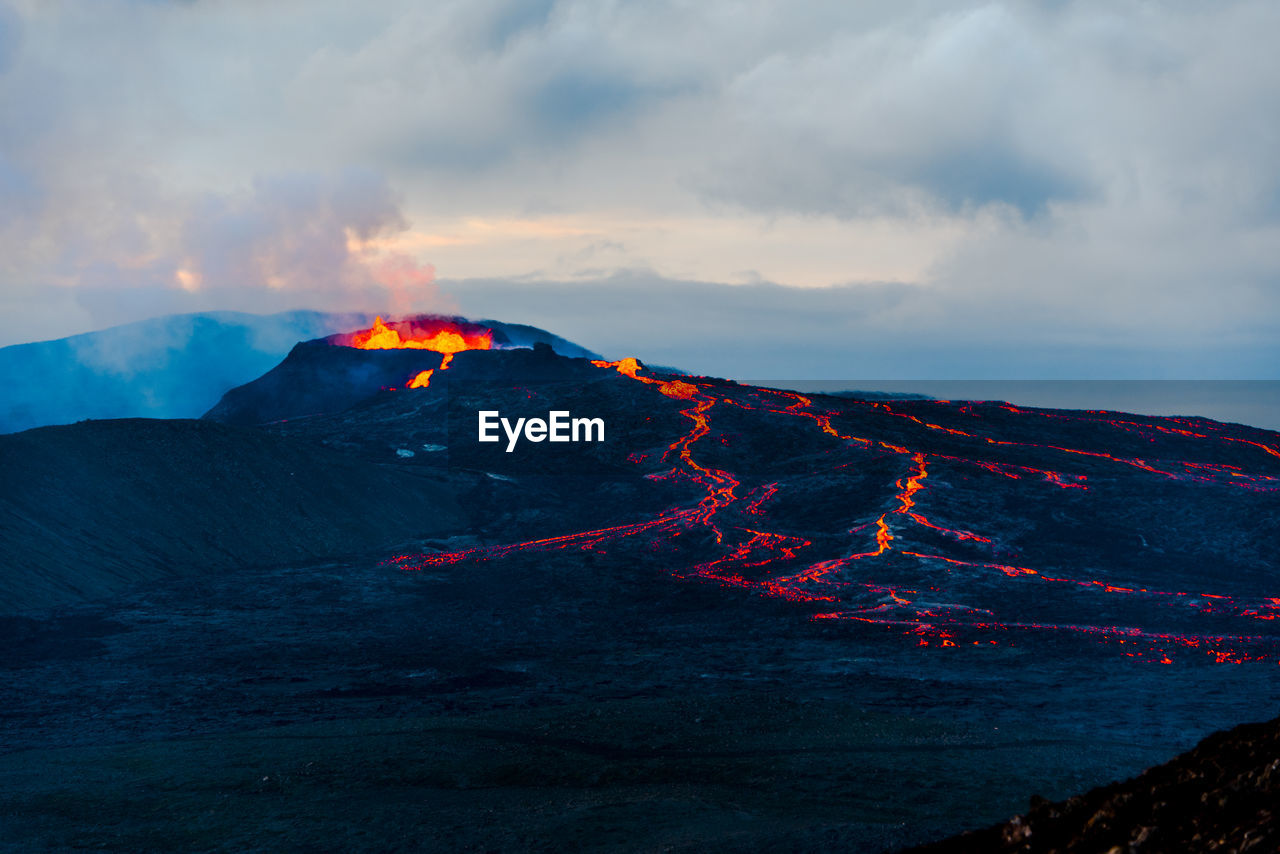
437 335
330 374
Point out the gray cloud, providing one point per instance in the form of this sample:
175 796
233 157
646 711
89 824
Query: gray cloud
10 35
1110 166
861 332
289 232
285 242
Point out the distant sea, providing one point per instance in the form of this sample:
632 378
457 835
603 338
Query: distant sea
1252 402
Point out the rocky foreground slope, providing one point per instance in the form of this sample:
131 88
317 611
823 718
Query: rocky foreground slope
1223 796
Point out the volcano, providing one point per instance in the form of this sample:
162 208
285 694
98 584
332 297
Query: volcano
331 374
746 618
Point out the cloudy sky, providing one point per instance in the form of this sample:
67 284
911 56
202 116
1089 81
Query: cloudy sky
800 189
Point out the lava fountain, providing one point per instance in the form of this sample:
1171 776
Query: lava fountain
439 336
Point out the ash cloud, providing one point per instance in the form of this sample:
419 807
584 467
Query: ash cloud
299 233
296 239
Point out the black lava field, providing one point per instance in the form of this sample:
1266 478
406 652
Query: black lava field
747 617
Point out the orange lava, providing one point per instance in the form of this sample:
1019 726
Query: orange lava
627 367
444 337
678 390
441 336
897 536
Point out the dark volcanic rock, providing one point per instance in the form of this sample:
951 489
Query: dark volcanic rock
746 620
1223 795
99 506
318 377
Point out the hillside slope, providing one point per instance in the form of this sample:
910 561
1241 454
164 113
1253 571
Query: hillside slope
92 508
1220 796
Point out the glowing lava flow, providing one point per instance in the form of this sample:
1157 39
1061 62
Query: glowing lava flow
443 337
900 539
905 498
720 485
1192 472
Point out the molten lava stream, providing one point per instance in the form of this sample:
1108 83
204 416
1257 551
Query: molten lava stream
719 484
791 587
719 487
1251 482
749 552
907 488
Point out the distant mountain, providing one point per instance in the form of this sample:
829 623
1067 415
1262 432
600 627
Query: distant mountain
167 367
173 367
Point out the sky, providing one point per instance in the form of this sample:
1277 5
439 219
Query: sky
753 189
